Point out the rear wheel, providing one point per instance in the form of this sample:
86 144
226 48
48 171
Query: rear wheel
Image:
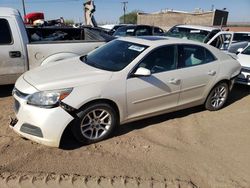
96 122
217 97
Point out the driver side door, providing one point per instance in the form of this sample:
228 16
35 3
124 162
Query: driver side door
159 91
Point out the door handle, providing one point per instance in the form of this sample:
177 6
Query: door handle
15 54
174 81
211 72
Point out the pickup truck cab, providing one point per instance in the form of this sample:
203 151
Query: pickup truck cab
19 51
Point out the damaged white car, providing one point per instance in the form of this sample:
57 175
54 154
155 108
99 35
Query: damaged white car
244 59
123 81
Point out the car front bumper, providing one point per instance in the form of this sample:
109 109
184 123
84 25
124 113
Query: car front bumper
244 78
41 125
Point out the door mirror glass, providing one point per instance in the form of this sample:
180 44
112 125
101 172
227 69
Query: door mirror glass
141 71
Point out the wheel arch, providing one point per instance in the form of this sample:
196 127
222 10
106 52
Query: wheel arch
103 100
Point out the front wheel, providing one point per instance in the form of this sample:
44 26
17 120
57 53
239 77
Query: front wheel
95 123
217 97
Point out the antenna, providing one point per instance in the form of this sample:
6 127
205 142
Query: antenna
24 12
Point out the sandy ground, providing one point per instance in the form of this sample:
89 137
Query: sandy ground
190 148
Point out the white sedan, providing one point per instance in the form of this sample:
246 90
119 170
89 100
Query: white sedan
244 59
123 81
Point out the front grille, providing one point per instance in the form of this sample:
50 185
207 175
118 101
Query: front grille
16 106
245 70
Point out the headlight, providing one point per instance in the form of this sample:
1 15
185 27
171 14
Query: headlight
48 99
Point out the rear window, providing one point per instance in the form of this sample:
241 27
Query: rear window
5 33
239 37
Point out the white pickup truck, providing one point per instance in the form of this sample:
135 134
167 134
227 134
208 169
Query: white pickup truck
24 48
225 40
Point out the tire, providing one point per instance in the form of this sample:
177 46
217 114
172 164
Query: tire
217 97
94 123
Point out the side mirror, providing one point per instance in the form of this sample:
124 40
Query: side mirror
141 71
239 50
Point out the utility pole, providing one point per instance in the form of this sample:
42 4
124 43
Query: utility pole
124 10
24 12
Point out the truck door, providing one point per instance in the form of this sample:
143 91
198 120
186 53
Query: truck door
222 40
11 52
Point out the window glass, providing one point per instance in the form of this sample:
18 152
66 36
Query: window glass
114 56
191 55
246 51
241 37
160 60
158 30
124 31
217 42
142 31
209 56
5 33
189 33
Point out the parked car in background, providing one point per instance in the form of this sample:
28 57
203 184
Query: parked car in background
138 30
142 77
193 32
22 48
224 40
112 28
244 59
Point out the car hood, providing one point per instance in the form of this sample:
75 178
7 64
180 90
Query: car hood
244 60
67 73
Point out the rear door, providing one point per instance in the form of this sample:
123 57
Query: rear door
198 69
11 56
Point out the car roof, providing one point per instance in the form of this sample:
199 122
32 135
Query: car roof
205 28
154 41
8 11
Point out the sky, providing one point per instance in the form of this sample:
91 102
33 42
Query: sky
109 11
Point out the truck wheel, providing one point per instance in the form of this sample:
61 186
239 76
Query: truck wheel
95 123
217 97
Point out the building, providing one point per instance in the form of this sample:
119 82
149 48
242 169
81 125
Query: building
168 18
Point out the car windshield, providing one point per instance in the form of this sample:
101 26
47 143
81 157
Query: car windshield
124 31
191 34
114 56
247 51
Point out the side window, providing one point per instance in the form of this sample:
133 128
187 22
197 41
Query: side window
209 56
158 30
217 42
142 31
191 55
226 41
160 60
5 33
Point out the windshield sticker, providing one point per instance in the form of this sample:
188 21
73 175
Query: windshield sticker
136 48
195 31
130 30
